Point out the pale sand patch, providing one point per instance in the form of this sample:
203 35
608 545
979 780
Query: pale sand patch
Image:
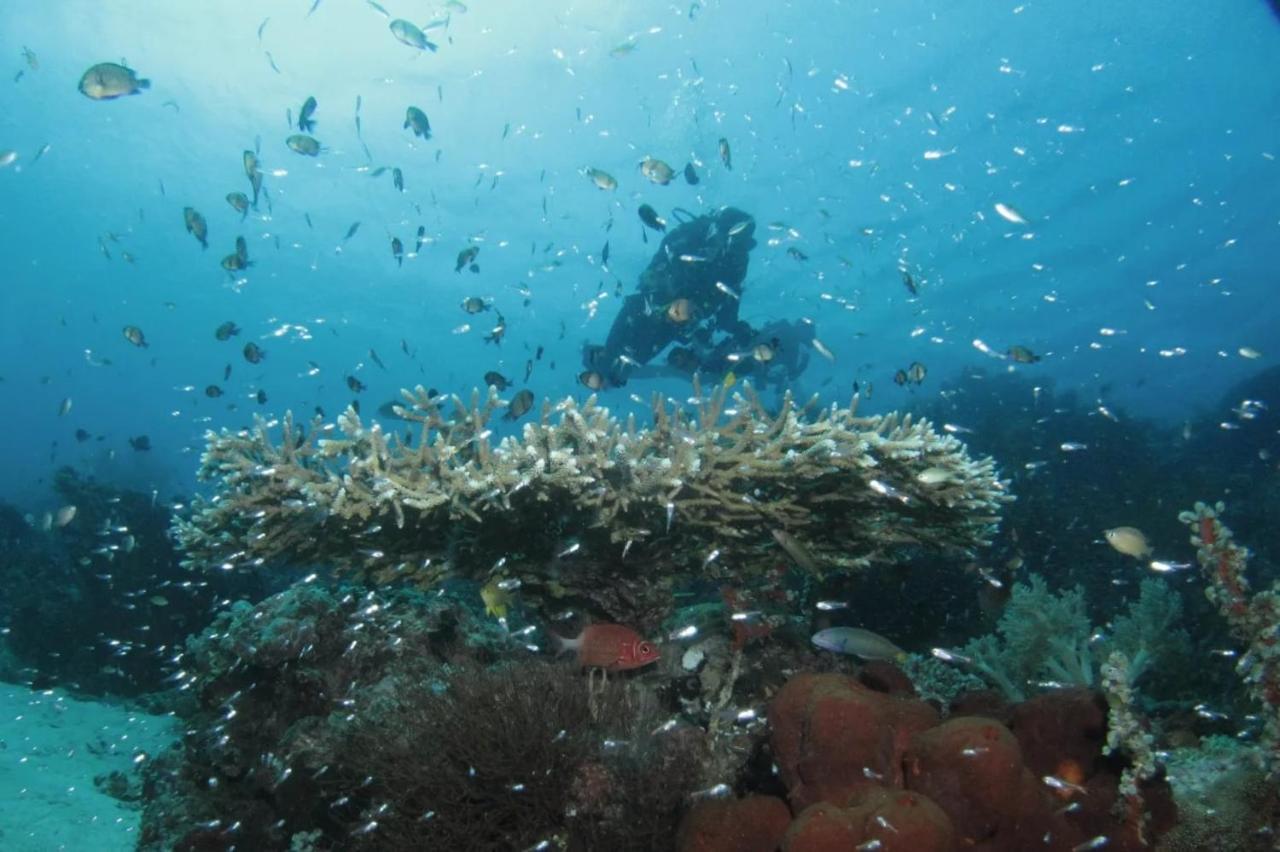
51 747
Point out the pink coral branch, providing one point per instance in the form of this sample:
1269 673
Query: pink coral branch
1254 619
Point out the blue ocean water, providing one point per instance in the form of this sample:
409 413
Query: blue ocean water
1097 183
1139 145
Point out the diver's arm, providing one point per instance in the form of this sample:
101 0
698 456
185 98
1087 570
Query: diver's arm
726 321
639 333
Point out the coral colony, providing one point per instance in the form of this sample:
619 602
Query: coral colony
412 700
1254 618
583 507
797 457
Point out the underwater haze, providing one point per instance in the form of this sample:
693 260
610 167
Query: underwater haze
1021 254
1138 144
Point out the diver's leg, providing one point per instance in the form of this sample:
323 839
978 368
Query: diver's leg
639 332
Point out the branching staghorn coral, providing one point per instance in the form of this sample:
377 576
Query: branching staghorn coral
586 508
1254 618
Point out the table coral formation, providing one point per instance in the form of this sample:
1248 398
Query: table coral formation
580 500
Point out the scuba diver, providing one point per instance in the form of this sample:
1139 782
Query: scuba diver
689 295
775 354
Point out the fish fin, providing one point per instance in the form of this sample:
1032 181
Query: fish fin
564 644
144 83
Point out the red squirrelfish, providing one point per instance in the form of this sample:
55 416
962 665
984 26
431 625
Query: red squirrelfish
611 647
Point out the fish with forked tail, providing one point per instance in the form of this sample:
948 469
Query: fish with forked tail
612 647
108 80
651 218
416 120
300 143
305 121
409 33
467 258
520 405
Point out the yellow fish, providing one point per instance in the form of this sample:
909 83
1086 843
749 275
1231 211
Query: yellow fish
730 380
495 599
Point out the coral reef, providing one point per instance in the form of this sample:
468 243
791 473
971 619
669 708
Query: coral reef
396 715
1067 497
1225 801
586 510
1126 733
938 682
99 604
1042 637
507 758
874 818
1045 639
1147 633
972 768
749 824
870 770
1254 617
832 736
349 719
1061 449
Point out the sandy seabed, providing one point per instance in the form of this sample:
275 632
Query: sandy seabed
51 748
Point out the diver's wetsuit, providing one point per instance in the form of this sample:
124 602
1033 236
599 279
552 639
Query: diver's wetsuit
691 260
788 342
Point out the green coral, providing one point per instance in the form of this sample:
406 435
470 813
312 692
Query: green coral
1147 632
1046 638
1041 637
936 681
